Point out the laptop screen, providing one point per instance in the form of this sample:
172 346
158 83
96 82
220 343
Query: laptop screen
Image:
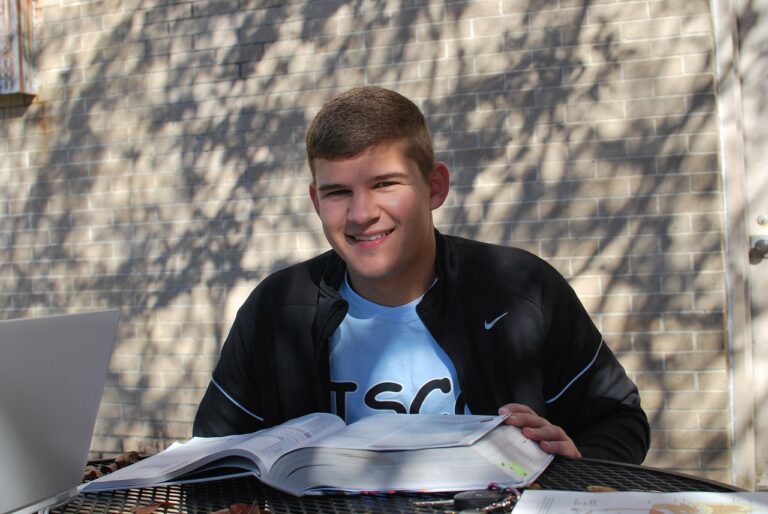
52 375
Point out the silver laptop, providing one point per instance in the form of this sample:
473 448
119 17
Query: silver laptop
52 374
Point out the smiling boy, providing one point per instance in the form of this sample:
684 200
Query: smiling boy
399 317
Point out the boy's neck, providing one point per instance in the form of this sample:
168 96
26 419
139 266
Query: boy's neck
404 288
390 294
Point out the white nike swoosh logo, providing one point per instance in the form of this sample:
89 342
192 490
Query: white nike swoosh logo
490 325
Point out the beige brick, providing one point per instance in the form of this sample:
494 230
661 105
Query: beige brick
173 380
142 380
713 381
709 301
501 24
687 163
557 18
528 6
695 243
633 283
707 281
676 420
709 260
109 411
481 9
571 132
567 209
595 112
698 63
592 74
620 128
624 207
656 27
705 440
635 322
531 39
666 381
601 188
531 231
579 3
551 154
656 185
606 303
516 211
663 224
658 440
701 143
694 203
700 400
569 247
715 419
624 11
626 166
697 24
500 63
598 227
653 401
659 8
697 360
646 108
674 459
652 68
662 303
712 341
586 285
682 45
706 182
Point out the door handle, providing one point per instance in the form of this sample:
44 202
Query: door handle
758 249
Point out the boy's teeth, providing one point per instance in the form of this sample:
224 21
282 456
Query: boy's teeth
370 238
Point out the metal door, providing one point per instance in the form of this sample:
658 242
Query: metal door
753 73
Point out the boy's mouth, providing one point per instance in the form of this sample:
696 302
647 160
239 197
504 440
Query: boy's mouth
363 238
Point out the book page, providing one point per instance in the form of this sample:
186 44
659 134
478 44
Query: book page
412 431
260 449
499 457
271 443
175 460
517 456
554 502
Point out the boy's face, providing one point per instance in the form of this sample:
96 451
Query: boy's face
376 212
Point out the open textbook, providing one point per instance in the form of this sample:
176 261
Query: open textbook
318 453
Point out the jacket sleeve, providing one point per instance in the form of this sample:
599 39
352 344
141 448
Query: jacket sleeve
588 392
231 404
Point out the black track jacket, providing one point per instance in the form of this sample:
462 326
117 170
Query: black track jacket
545 352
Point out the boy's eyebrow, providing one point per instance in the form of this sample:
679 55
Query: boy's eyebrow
328 187
387 176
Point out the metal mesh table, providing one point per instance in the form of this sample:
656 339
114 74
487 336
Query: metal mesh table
562 474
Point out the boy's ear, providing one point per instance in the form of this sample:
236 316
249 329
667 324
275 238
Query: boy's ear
439 185
313 197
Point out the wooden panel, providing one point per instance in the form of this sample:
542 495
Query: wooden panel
17 47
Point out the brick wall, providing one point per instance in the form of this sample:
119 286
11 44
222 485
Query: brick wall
161 170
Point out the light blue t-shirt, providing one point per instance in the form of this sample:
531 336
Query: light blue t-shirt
383 359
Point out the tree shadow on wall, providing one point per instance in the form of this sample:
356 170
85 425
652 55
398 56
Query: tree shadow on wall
173 176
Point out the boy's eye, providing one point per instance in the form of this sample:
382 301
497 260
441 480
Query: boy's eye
336 192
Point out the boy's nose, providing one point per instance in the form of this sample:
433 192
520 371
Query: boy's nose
362 209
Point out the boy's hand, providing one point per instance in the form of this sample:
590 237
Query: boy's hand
551 438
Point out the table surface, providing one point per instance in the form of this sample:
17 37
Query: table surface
562 474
